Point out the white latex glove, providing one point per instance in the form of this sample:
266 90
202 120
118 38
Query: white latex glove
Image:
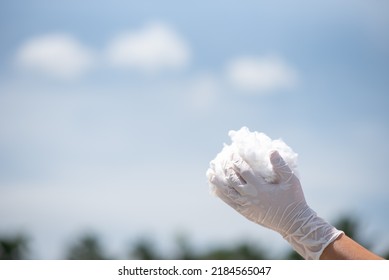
280 206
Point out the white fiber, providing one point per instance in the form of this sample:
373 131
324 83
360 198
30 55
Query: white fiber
254 148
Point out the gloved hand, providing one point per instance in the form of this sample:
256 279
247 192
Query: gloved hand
280 206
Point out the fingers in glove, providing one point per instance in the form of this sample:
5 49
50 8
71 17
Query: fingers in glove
216 180
280 167
232 197
243 169
236 181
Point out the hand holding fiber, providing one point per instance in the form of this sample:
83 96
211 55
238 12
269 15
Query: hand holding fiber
271 196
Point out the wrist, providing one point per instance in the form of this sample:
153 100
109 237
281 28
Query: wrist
310 235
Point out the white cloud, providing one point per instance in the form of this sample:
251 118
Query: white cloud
260 74
56 55
154 48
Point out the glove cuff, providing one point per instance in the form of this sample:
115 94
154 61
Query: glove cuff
310 235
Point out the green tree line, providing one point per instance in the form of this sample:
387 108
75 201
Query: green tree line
89 247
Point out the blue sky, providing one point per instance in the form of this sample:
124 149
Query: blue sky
110 113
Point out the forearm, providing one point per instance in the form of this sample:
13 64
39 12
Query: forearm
344 248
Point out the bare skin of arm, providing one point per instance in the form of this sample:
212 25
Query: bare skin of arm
344 248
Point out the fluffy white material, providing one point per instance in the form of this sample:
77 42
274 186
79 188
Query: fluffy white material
254 148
